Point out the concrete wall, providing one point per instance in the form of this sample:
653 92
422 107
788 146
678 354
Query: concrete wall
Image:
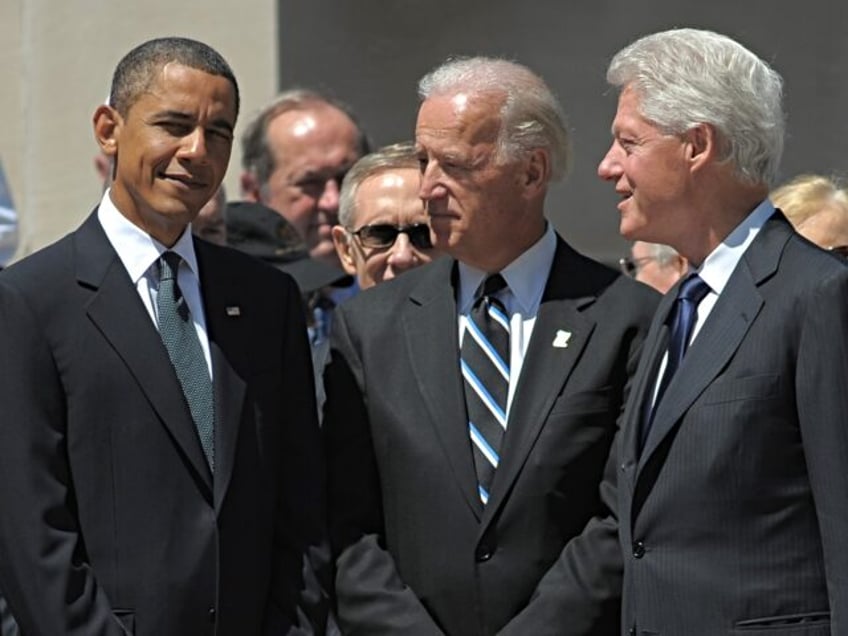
371 53
58 59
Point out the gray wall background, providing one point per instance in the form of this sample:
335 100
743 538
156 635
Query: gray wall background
370 53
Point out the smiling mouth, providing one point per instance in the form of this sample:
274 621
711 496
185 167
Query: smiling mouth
184 180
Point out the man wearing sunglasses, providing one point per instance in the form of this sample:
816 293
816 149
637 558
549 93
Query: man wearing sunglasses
472 402
383 228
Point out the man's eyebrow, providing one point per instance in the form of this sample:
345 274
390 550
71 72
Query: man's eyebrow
185 117
223 123
173 114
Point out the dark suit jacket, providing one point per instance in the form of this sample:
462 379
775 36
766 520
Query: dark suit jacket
416 552
734 519
111 519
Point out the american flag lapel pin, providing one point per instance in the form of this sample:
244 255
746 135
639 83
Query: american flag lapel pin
233 310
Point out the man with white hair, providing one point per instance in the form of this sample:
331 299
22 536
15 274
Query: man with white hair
654 264
472 402
382 230
732 496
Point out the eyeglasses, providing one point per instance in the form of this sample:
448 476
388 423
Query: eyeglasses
631 266
383 235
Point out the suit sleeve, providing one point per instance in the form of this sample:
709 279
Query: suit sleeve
822 403
581 592
302 578
44 573
372 598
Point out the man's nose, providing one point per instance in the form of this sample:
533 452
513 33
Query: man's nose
610 167
329 199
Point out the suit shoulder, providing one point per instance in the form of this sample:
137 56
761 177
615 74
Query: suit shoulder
393 292
235 265
43 268
608 285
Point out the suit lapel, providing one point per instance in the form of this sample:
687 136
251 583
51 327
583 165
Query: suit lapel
653 350
119 315
224 333
547 366
723 331
430 331
545 371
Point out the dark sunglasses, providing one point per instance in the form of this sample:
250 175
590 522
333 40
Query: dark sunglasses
631 266
383 235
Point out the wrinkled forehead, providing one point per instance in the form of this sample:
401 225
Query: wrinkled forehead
468 117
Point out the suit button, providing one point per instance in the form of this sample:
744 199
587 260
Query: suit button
211 614
483 553
638 550
631 631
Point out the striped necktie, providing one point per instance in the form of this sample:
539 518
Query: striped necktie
484 359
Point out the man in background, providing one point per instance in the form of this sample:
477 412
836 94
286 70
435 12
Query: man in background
295 154
659 266
383 229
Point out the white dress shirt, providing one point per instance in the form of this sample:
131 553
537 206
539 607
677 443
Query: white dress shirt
719 265
526 278
140 253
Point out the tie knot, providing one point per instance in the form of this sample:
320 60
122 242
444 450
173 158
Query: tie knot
693 289
169 263
492 285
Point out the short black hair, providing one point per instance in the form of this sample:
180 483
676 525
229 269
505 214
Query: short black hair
137 70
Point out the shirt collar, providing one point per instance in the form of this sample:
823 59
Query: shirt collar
719 265
526 276
135 247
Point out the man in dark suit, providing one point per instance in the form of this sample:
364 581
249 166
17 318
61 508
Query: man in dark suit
732 489
446 518
147 489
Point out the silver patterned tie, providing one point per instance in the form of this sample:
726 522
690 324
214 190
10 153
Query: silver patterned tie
180 337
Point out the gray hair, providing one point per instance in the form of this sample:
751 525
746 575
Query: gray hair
393 157
531 116
686 77
256 156
663 253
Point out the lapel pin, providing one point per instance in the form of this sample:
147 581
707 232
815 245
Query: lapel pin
234 310
561 339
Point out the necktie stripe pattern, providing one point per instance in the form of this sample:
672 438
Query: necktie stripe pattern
682 320
180 338
487 348
485 372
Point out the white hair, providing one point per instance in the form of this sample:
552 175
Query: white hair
531 117
393 157
687 77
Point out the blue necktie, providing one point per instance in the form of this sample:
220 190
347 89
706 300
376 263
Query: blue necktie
484 359
682 320
180 337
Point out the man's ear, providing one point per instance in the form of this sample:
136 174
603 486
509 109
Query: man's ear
107 129
344 248
701 145
537 170
250 189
